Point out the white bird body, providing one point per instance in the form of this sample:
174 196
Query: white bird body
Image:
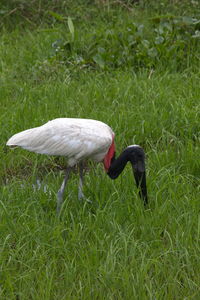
76 139
80 139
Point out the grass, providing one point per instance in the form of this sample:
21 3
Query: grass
111 248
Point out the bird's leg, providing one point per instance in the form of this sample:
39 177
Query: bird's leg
62 189
80 186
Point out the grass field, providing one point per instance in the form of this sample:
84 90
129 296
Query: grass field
111 248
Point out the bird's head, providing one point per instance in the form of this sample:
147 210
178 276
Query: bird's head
135 154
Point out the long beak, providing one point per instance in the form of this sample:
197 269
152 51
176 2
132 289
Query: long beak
140 178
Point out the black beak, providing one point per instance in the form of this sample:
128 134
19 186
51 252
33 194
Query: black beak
140 178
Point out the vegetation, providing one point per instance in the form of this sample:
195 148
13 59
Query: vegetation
134 66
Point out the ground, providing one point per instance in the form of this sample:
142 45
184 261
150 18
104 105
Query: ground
136 68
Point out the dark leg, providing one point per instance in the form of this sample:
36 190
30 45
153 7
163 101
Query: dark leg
80 186
62 189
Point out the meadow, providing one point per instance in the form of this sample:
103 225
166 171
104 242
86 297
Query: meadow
136 68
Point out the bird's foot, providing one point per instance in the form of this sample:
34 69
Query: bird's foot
40 186
37 186
81 197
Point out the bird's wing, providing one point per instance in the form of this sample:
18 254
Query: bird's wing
73 138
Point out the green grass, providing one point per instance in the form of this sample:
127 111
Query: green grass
111 248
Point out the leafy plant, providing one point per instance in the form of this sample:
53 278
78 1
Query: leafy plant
168 42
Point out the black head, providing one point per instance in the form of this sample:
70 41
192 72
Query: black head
136 156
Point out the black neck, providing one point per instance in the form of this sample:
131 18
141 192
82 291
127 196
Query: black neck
117 165
134 154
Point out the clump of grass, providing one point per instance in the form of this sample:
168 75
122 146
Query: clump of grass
171 41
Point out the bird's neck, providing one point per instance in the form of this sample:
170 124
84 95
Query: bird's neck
117 165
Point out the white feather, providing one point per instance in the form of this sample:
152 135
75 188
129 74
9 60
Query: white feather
76 139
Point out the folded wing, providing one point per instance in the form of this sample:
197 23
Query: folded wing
74 138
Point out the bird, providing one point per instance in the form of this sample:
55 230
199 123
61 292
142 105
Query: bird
78 140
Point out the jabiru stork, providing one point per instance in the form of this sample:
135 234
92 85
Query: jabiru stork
78 140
